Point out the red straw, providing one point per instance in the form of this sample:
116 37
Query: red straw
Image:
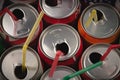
9 12
54 64
108 51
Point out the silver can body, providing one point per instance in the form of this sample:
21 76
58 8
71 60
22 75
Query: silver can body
12 58
60 72
17 31
110 69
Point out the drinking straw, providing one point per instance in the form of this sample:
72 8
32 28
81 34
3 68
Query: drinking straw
29 39
54 64
6 10
83 70
92 15
108 51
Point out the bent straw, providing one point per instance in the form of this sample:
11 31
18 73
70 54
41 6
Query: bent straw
108 51
92 15
6 10
83 70
54 64
29 39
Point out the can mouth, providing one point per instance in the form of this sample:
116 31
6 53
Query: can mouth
19 73
95 57
62 47
18 13
51 3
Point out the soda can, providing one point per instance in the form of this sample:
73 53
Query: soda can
59 11
60 37
1 4
23 1
117 5
11 64
109 70
60 72
16 31
106 29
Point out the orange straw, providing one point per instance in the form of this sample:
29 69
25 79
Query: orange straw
6 10
30 38
108 51
54 64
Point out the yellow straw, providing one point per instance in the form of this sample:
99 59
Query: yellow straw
29 39
92 15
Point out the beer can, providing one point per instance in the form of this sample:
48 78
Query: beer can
117 5
11 64
60 37
60 11
1 4
60 72
106 29
109 70
16 31
23 1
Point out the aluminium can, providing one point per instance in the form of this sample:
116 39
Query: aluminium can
16 32
109 70
60 37
64 11
23 1
106 29
11 64
60 72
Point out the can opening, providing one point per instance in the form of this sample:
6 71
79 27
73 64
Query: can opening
19 73
95 57
18 13
99 15
51 2
62 47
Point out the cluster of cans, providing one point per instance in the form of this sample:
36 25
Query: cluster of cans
62 28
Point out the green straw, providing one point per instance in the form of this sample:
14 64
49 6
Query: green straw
83 70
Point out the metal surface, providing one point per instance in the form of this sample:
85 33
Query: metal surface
58 34
60 72
63 9
12 57
111 65
23 1
22 27
1 4
106 26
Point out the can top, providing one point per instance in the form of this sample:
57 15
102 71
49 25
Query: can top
60 72
11 61
59 37
26 15
63 9
23 1
111 65
108 20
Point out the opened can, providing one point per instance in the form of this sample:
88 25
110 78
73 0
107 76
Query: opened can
60 11
23 1
11 64
60 37
106 29
109 70
60 72
16 31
